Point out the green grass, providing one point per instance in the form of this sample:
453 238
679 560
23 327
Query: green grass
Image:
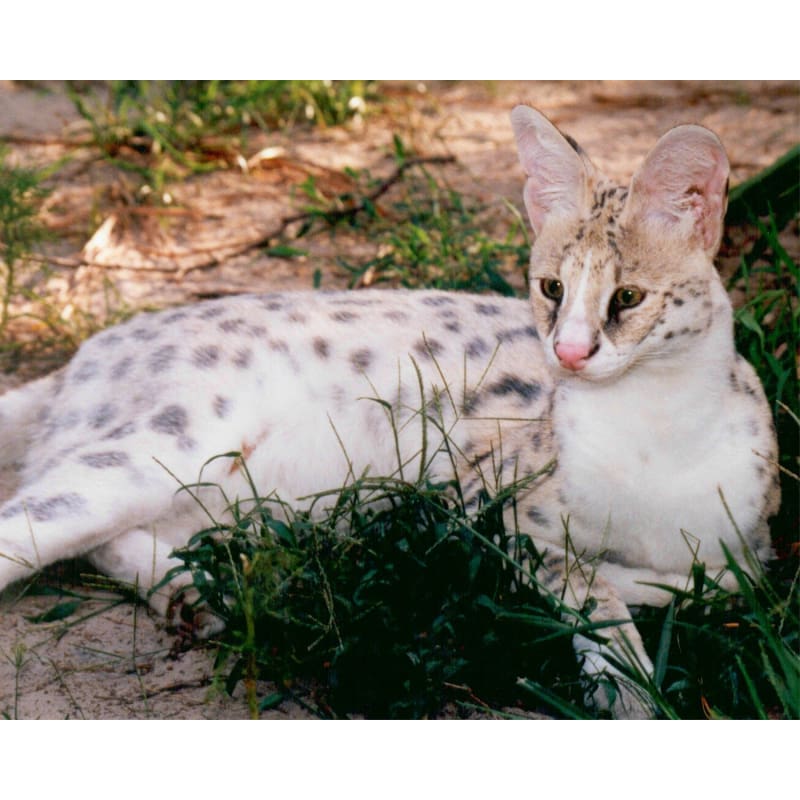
399 609
392 602
21 196
425 233
768 335
163 131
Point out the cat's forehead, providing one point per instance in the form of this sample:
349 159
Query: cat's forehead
594 240
600 229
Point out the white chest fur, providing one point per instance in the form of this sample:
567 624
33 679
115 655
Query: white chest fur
647 461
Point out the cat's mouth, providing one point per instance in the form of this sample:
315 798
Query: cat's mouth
591 372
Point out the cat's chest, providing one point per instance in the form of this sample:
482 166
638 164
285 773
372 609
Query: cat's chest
643 471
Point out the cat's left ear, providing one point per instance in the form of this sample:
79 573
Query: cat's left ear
682 187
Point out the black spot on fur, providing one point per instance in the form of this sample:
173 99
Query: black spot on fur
175 316
321 347
243 357
101 415
278 345
111 458
470 402
512 334
344 316
171 421
428 348
161 360
121 368
205 356
232 325
121 431
222 406
272 303
396 316
453 325
256 331
85 371
108 339
477 347
211 312
477 460
437 300
55 506
509 384
487 309
536 516
145 334
361 359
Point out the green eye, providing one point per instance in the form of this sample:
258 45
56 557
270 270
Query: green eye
552 288
628 297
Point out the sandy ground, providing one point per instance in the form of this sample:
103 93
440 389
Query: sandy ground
113 660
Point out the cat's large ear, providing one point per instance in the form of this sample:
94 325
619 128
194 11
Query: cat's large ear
682 187
557 182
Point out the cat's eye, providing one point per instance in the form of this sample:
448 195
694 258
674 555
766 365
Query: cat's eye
627 297
552 288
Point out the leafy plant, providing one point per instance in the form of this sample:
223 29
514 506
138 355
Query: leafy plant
393 601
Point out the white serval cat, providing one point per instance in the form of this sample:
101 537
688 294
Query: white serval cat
621 367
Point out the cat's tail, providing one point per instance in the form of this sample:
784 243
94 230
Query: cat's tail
22 410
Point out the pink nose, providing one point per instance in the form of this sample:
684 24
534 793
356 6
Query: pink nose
573 355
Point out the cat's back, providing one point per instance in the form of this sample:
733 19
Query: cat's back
227 361
308 331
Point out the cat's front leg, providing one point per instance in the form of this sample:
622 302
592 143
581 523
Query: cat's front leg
613 659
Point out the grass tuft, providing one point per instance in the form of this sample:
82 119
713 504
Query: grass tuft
166 130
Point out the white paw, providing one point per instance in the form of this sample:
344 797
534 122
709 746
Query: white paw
609 689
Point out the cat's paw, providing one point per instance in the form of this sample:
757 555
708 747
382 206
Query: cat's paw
618 695
190 618
610 689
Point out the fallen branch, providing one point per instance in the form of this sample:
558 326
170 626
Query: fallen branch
237 248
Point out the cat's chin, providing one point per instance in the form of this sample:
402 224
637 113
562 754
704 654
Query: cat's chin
590 374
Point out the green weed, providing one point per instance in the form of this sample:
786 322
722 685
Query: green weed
393 602
21 196
426 234
166 130
768 335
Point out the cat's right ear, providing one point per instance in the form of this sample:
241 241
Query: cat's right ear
557 182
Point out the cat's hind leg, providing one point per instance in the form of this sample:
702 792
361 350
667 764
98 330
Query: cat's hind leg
77 504
141 560
21 411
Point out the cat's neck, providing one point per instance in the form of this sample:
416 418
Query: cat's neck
682 394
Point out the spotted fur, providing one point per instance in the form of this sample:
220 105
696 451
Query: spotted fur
616 385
